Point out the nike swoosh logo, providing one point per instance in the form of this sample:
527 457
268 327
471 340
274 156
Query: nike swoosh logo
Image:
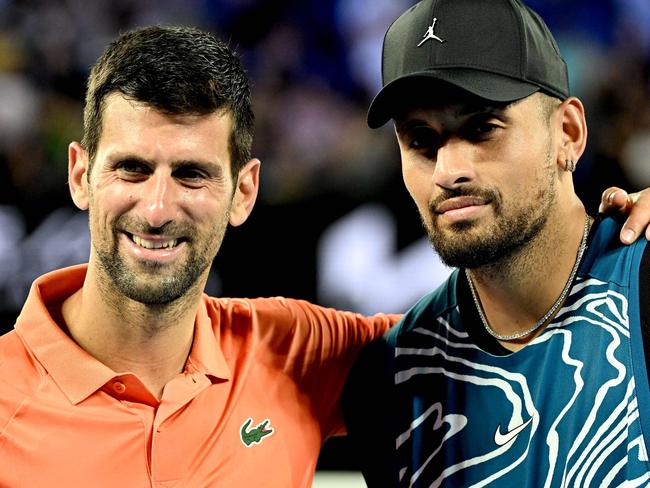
502 439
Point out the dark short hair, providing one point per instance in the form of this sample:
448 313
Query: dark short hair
178 71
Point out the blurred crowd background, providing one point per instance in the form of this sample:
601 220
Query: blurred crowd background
333 223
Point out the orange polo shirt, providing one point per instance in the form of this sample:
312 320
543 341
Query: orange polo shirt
258 396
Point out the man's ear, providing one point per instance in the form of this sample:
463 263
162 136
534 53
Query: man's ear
573 132
78 174
245 192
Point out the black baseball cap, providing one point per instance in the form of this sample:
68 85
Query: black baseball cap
499 50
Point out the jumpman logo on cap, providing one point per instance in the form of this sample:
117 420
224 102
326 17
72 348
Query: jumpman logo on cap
429 34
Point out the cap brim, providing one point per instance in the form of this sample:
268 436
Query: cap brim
497 88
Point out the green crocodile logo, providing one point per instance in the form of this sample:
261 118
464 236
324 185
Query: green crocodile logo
255 435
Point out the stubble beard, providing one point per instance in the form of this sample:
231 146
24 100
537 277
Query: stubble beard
474 244
155 284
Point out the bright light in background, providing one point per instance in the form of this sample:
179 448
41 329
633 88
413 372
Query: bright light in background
360 269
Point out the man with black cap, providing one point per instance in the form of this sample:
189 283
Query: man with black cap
527 367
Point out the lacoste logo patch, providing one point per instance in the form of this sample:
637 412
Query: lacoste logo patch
502 439
255 435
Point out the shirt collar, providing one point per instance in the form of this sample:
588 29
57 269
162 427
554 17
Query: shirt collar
206 356
76 372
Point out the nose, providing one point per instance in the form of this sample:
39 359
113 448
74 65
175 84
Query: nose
158 205
454 164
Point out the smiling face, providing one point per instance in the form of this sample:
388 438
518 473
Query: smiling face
484 177
160 195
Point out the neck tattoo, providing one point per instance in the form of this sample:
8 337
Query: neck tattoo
551 311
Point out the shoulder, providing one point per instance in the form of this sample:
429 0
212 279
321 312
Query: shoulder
15 359
371 379
20 375
280 316
368 402
607 259
284 309
435 304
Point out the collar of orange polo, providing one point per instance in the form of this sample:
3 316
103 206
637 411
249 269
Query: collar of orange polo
76 372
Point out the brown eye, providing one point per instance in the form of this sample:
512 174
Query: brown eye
132 168
424 140
484 128
189 174
481 128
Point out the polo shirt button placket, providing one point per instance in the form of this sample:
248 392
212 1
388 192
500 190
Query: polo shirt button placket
119 387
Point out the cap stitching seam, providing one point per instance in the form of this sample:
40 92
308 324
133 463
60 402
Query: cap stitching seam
523 46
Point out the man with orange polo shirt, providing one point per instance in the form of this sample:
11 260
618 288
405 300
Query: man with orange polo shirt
121 372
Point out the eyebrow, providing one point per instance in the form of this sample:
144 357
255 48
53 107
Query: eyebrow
205 164
402 127
495 108
467 110
211 168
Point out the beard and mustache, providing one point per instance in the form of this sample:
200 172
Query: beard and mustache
475 243
150 282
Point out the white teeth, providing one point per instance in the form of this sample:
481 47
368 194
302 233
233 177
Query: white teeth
154 244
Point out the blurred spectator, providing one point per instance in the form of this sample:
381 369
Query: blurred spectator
314 65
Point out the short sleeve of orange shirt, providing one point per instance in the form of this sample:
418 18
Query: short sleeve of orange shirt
258 396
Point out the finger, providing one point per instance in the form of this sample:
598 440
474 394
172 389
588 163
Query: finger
629 233
613 199
638 219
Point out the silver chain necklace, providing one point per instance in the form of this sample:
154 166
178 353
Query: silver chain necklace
551 311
